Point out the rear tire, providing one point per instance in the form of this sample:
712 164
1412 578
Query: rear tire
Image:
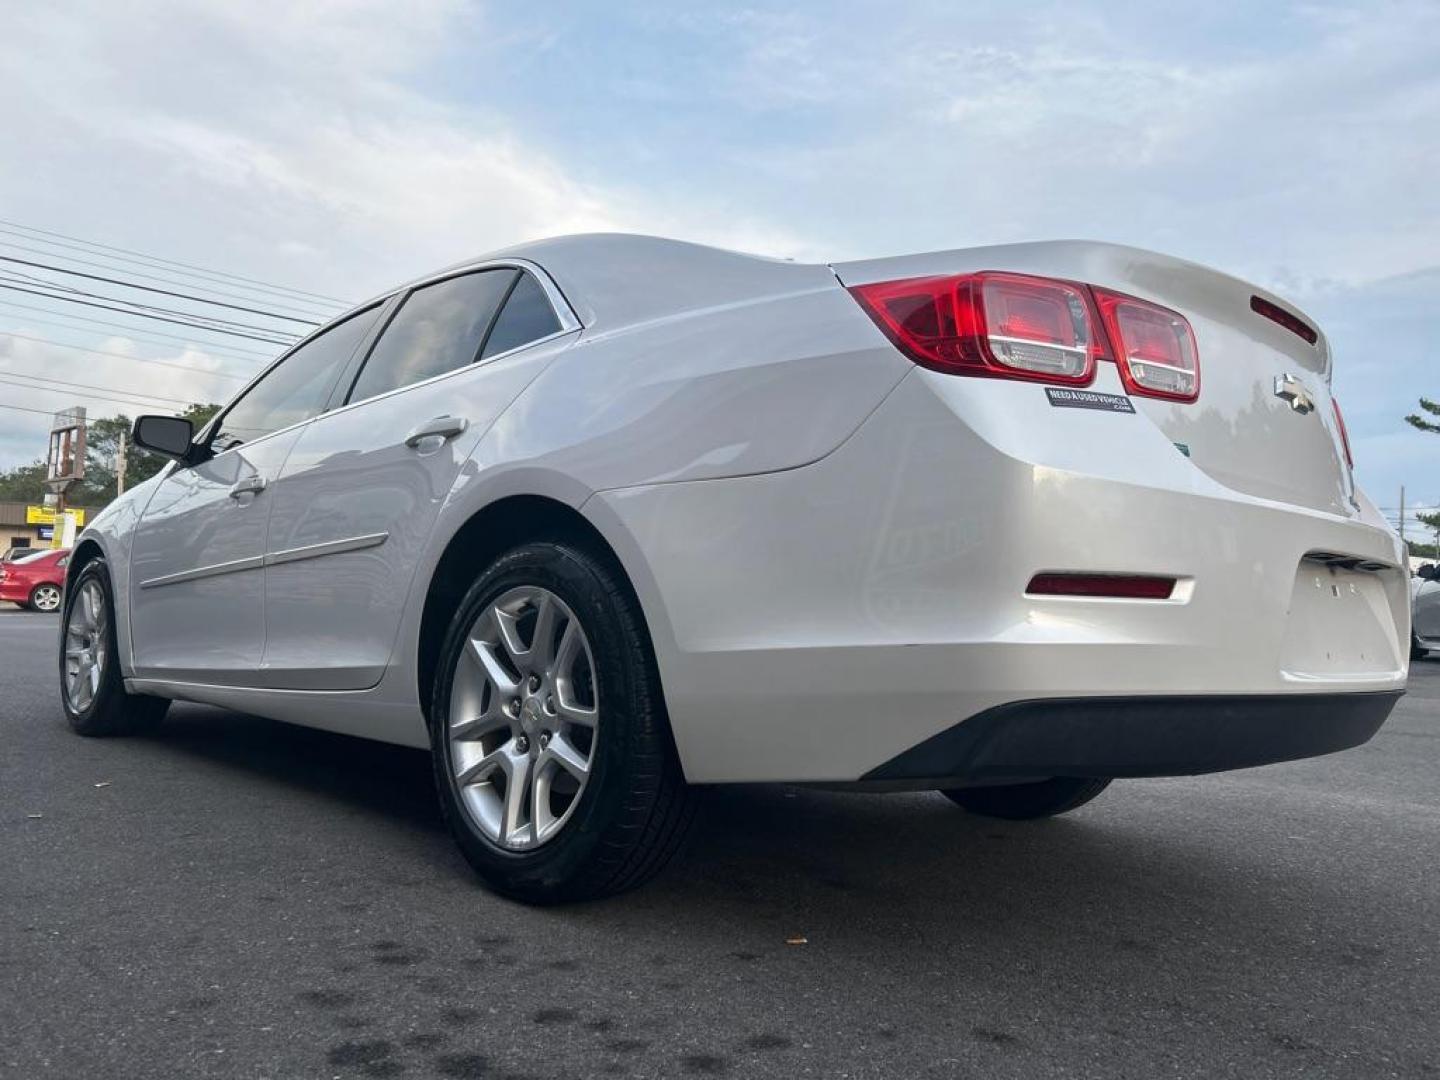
92 690
632 808
1025 802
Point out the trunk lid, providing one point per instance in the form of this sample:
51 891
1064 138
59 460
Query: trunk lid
1245 431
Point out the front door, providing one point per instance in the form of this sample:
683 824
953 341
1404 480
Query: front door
197 611
356 501
197 608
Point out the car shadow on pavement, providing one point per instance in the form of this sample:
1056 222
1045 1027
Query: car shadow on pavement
389 781
769 851
1153 910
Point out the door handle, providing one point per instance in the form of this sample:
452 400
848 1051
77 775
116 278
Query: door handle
251 485
440 427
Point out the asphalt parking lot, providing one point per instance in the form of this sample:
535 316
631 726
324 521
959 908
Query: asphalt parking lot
236 898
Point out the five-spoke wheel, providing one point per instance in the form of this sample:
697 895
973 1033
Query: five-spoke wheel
91 687
85 645
524 717
553 755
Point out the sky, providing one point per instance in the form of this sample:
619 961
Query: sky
341 146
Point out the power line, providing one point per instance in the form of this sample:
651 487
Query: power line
188 280
126 356
143 315
125 402
235 352
8 374
127 406
151 288
23 408
137 307
166 262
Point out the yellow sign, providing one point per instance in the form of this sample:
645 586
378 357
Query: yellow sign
45 515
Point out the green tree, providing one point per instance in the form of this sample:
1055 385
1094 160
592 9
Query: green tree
26 483
1430 521
1417 421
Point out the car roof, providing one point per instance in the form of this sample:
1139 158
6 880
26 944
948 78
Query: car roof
617 279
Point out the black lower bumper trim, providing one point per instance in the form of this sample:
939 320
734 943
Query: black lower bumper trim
1141 736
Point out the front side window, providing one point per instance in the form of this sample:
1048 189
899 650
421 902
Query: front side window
296 389
438 328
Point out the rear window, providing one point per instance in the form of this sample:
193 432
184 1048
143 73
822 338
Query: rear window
526 317
438 328
35 556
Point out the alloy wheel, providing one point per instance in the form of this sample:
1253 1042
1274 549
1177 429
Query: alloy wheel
85 646
524 718
46 598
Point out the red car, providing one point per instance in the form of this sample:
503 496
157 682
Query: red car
35 581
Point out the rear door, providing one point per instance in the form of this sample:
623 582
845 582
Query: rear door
360 492
197 610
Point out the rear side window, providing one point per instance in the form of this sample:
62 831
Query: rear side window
438 328
526 317
297 387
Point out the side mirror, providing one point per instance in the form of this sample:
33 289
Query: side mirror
168 435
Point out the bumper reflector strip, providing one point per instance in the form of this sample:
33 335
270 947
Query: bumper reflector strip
1123 586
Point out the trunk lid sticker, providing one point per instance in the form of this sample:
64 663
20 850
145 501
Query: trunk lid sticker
1062 398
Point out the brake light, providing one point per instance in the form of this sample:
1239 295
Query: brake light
1154 347
1344 434
1009 326
1275 313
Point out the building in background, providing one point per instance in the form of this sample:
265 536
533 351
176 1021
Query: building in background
22 527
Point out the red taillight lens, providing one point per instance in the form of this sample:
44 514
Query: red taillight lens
1154 347
1009 326
1344 434
1123 586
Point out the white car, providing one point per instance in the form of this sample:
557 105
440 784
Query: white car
599 518
1425 612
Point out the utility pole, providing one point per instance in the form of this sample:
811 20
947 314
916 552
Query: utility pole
120 482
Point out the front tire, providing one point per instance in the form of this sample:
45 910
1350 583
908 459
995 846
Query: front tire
91 687
1025 802
553 757
1417 651
45 598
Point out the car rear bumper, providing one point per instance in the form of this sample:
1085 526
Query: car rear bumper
15 592
818 623
1137 736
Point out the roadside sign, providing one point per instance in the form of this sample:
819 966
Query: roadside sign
45 515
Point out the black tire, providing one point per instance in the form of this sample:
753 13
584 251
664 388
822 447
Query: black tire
111 711
1417 651
44 598
636 808
1025 802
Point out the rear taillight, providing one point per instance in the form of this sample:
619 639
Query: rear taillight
1344 435
1009 326
1154 347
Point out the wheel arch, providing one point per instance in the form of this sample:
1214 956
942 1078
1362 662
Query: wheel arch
496 527
84 553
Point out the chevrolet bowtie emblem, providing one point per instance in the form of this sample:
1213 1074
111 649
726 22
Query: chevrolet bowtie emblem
1288 388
